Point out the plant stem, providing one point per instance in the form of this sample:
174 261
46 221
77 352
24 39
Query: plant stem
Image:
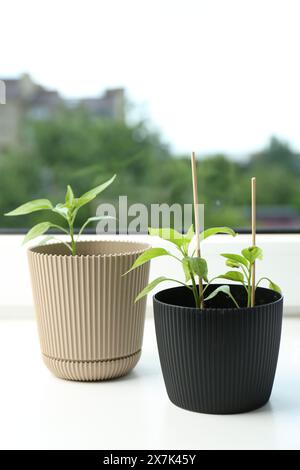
195 292
200 293
245 271
262 279
249 289
73 242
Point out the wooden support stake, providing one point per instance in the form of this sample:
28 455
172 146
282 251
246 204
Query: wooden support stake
253 223
197 223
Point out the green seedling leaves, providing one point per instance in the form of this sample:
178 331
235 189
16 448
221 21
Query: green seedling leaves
198 266
232 264
31 206
215 230
68 210
238 259
233 276
274 286
150 287
147 256
69 196
36 231
225 290
186 269
168 234
63 210
252 253
181 241
93 193
94 219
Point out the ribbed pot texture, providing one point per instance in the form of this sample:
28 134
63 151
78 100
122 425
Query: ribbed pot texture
220 360
89 326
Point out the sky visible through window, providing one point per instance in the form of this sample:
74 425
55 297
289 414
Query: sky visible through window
101 87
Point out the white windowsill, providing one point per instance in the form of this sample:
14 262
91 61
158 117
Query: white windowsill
281 263
39 411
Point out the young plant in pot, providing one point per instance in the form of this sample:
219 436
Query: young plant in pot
89 326
218 343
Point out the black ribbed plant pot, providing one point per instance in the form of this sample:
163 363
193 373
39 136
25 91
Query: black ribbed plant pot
221 359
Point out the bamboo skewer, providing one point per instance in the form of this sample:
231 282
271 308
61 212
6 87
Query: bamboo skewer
253 223
196 215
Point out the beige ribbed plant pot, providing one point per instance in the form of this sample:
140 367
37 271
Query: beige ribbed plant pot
89 326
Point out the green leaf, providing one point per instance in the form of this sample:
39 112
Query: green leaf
252 253
36 231
150 287
233 276
235 258
147 256
168 234
173 236
232 264
32 206
274 286
198 266
94 219
90 195
225 290
186 269
69 196
214 230
63 210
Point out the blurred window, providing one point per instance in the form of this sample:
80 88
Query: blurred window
132 87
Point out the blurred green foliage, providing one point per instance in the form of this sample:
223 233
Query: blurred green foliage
75 148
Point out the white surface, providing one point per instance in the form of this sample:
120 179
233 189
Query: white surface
281 264
39 411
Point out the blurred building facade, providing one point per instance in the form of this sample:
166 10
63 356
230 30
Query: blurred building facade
27 99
